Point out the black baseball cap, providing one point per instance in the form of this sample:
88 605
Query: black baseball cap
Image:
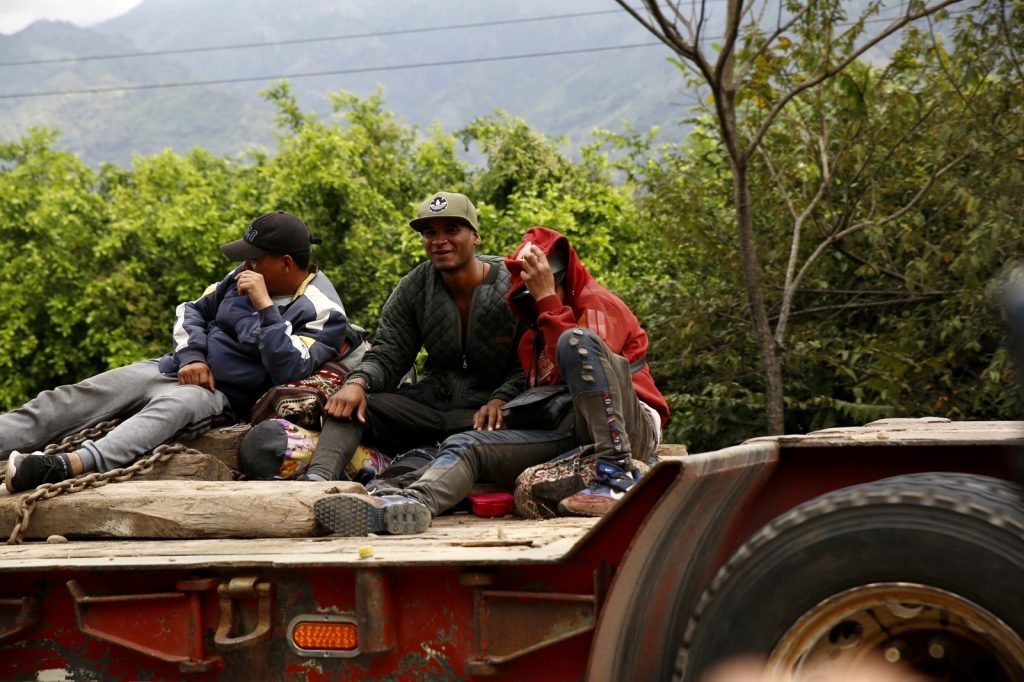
278 232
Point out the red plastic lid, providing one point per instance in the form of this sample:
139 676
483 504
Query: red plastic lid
492 504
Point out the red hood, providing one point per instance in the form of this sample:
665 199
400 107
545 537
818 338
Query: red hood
584 303
576 274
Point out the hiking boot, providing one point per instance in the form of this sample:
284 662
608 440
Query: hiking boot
381 487
353 514
27 470
610 484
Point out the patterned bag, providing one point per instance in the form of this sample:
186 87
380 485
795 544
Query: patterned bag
278 449
302 401
368 460
540 488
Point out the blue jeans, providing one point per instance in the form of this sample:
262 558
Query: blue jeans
607 410
495 456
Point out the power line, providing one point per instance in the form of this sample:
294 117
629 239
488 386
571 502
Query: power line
398 67
301 41
338 72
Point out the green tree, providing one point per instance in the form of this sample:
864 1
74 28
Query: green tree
525 179
355 179
50 218
102 259
836 170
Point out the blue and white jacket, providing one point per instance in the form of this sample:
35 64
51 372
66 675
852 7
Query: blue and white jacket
249 351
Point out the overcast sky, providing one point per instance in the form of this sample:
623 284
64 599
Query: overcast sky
17 14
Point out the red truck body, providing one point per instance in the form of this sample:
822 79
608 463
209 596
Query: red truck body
473 598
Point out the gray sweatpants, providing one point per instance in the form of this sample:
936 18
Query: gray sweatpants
159 406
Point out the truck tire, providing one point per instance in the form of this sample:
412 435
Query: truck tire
926 570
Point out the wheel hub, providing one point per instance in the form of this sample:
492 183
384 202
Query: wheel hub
929 630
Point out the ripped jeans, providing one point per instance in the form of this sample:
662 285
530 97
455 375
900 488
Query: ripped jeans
607 410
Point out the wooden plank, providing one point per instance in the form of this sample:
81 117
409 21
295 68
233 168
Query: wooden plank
180 509
190 467
907 432
221 442
456 539
672 450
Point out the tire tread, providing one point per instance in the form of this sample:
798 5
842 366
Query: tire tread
996 502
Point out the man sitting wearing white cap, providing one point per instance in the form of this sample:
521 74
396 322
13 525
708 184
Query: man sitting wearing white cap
453 306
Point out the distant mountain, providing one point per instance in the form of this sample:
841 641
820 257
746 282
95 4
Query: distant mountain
568 94
111 126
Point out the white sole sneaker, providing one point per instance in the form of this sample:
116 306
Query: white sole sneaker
13 462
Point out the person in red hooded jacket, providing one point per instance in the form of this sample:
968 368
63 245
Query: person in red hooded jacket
581 336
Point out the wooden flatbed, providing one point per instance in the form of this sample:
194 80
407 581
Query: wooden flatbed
211 596
456 539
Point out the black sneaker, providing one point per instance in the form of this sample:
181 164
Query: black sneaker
27 470
354 515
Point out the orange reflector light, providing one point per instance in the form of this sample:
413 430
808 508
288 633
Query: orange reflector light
324 635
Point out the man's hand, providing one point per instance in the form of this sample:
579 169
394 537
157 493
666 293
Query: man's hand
537 275
489 417
252 284
348 403
197 374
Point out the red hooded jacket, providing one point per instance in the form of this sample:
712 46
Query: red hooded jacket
587 304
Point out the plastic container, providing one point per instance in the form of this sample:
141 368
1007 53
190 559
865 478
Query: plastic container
492 504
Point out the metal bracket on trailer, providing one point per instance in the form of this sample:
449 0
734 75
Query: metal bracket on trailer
168 626
237 589
512 624
17 616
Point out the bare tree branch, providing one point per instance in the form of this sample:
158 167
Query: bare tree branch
794 249
1014 59
863 305
748 11
693 28
658 29
624 4
900 212
668 28
838 246
664 30
771 38
837 68
701 22
726 54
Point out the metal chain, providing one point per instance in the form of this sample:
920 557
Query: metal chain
71 442
26 505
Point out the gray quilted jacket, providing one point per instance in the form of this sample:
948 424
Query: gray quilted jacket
421 313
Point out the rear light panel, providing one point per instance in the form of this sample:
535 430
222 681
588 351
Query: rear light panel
324 635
